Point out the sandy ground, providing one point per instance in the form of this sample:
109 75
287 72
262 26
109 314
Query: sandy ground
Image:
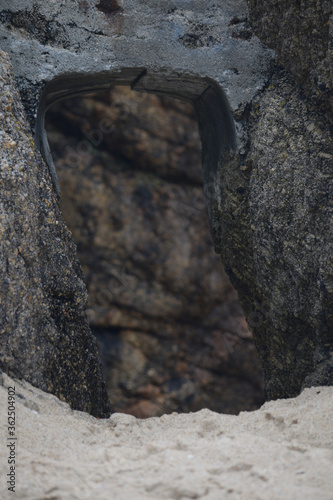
282 451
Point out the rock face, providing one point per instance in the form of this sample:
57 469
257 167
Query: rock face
291 210
171 331
266 140
301 33
45 337
290 200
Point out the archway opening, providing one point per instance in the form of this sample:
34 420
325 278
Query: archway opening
171 332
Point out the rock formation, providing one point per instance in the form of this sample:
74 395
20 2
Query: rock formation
45 338
290 202
172 334
266 133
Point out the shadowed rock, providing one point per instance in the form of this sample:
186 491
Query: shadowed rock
172 333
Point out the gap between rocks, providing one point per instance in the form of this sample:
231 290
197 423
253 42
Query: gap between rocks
171 332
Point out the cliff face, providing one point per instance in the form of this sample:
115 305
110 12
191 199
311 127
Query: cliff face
172 333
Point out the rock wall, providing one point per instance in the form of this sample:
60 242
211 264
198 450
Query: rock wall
45 338
266 135
172 334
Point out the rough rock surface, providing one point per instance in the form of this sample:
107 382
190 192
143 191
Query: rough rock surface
208 55
44 334
301 33
291 213
284 450
276 235
172 334
87 38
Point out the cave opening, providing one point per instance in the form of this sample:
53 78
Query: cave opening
171 332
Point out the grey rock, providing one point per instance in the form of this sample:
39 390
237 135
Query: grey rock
301 33
284 276
75 46
293 237
45 337
277 255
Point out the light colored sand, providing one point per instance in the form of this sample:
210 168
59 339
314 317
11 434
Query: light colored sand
282 451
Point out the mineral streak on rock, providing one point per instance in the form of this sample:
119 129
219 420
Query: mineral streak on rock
44 334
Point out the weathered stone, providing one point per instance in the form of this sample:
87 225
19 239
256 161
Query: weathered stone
301 33
277 242
172 334
44 334
209 56
291 215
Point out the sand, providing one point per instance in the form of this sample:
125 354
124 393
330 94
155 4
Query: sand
284 450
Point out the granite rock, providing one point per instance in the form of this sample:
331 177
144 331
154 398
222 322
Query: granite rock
301 33
252 117
291 213
45 338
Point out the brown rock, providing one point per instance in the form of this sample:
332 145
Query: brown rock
172 334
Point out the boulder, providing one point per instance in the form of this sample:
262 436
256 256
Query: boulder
45 338
265 133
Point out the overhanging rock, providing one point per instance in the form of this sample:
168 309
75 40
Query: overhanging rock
182 50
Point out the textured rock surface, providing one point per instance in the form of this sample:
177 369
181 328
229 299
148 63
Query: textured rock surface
172 333
210 57
81 37
301 33
44 334
284 450
276 236
291 213
291 187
